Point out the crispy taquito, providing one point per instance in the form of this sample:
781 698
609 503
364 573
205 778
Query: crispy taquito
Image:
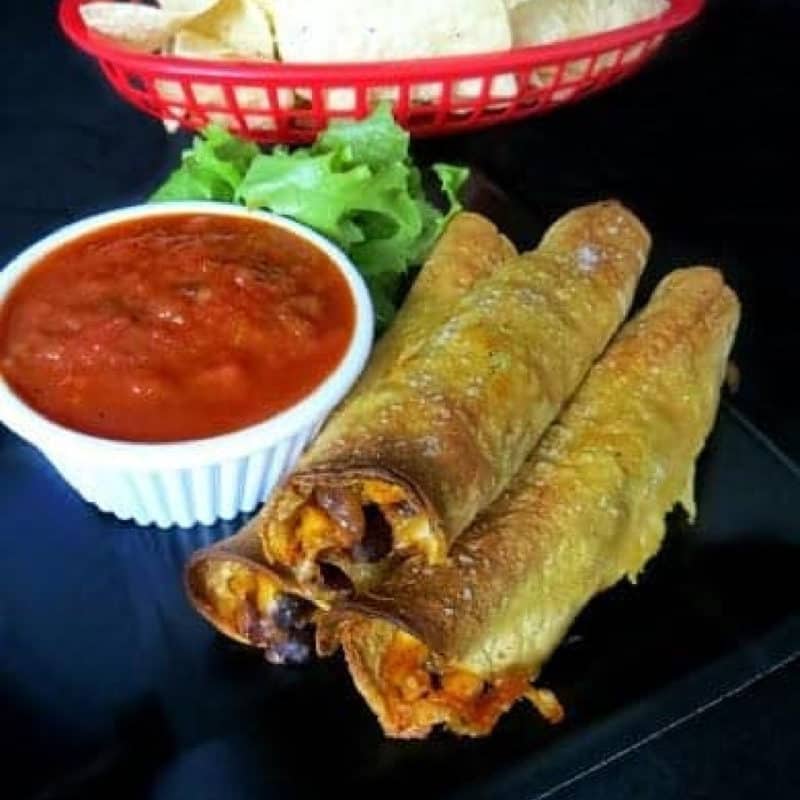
230 584
414 454
458 643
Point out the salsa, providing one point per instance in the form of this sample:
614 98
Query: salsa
174 327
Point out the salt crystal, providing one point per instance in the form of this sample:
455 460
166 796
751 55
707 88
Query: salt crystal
588 258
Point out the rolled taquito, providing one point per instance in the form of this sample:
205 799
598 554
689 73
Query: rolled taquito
230 583
457 644
406 464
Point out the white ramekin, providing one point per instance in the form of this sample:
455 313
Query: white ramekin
198 481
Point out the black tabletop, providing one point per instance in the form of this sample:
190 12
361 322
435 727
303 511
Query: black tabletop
701 144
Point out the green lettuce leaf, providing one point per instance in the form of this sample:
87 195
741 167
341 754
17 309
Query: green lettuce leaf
211 169
377 141
308 189
190 182
452 180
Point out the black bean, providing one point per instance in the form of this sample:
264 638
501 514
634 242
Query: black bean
291 611
296 648
377 540
343 507
334 578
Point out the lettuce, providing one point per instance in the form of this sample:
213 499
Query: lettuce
356 185
211 170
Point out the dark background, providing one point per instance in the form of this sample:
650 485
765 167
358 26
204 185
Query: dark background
703 145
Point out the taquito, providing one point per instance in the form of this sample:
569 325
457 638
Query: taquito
458 643
230 583
410 459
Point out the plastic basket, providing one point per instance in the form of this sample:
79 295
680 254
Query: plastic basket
274 102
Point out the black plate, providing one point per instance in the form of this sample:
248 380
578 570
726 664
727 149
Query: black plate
111 686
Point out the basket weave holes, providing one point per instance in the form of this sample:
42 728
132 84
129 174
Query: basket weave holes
338 99
428 92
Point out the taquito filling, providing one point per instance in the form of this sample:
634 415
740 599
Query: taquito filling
418 693
338 532
255 608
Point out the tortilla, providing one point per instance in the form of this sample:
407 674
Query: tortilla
314 31
241 25
469 250
190 44
457 644
187 8
132 25
543 21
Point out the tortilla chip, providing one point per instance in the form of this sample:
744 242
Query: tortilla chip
267 6
241 25
189 44
544 21
372 30
187 8
132 25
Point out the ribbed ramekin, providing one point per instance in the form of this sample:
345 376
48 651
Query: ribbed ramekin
198 481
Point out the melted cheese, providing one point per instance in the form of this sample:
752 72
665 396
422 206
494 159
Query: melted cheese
382 493
418 695
414 535
231 590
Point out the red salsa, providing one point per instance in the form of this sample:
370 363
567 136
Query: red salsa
174 327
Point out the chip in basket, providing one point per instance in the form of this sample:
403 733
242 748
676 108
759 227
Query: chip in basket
241 25
135 26
543 21
189 44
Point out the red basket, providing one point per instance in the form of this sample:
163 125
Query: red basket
290 103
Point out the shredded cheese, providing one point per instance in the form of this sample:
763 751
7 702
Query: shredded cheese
230 587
